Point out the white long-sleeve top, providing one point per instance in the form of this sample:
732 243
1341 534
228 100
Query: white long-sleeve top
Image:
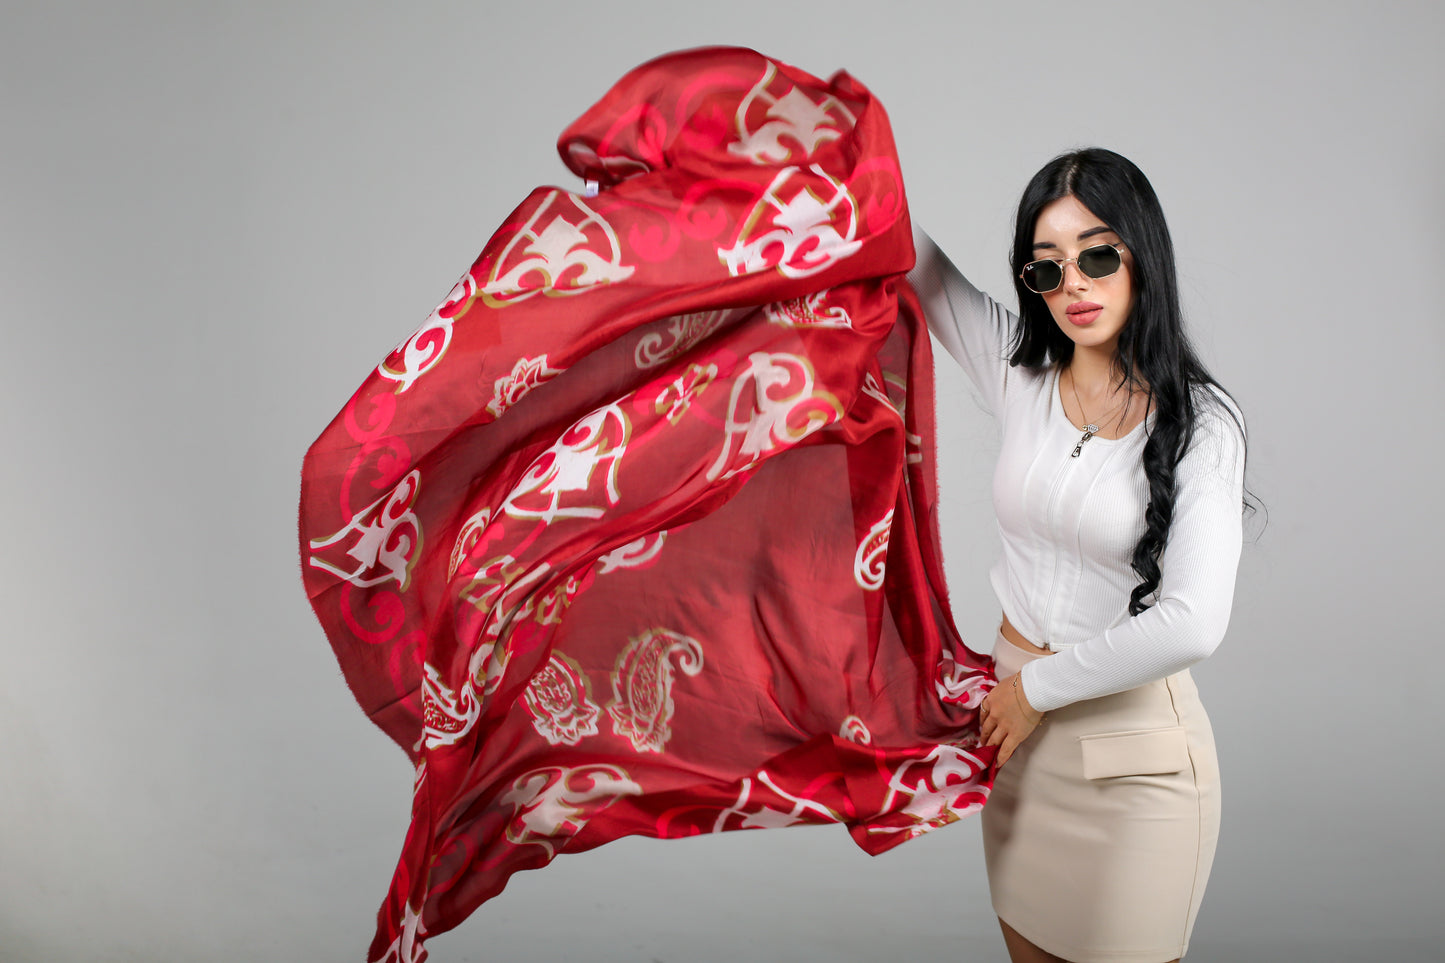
1069 525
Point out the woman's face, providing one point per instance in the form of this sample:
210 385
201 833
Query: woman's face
1090 311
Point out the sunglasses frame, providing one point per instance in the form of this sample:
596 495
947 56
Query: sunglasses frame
1061 261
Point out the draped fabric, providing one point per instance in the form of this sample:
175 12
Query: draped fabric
636 534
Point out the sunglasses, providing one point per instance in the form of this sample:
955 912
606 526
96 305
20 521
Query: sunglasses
1046 274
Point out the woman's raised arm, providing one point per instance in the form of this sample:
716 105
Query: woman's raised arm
972 326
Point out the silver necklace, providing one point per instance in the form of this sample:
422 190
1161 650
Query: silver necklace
1089 428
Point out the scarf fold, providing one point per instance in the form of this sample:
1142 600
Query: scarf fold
637 534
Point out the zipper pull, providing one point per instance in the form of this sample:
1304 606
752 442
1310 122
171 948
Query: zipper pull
1089 432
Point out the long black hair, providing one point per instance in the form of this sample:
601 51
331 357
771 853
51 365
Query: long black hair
1153 353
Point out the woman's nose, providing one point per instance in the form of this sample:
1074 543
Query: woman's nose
1074 279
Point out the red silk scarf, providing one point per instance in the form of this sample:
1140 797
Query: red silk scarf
636 534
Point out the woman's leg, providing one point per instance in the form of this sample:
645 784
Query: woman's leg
1021 950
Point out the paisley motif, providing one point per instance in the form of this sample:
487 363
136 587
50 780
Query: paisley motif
466 538
559 699
641 705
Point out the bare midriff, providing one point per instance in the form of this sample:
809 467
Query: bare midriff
1016 637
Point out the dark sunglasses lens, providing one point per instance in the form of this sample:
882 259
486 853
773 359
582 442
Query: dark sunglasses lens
1041 277
1099 262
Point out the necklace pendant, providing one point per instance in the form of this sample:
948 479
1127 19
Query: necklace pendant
1089 432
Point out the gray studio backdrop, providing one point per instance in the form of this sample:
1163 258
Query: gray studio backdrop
216 217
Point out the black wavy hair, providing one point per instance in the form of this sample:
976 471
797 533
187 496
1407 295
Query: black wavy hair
1153 354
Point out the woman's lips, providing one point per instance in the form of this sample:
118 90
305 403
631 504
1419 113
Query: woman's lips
1083 312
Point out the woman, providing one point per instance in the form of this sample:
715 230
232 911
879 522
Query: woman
1119 493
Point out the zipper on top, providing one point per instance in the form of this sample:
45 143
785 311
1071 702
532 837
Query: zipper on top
1089 431
1051 521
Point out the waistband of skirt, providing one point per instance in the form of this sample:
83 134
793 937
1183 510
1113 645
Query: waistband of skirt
1009 658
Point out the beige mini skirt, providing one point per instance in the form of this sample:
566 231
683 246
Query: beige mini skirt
1100 830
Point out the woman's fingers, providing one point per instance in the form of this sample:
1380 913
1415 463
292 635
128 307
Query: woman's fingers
986 720
1003 723
1006 740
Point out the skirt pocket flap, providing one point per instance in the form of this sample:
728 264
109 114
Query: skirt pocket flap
1141 752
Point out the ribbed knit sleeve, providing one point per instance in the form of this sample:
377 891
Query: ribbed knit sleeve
972 326
1196 589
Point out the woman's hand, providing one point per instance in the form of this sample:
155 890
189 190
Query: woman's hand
1007 718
